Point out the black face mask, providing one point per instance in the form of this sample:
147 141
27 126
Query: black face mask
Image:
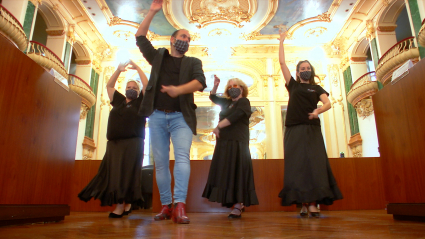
131 94
181 46
234 92
305 75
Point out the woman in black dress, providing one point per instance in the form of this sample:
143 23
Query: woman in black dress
118 180
308 178
231 179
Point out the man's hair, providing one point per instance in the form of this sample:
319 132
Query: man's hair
177 32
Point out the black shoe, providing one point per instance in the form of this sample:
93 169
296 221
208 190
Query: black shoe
314 214
304 213
113 215
236 216
127 212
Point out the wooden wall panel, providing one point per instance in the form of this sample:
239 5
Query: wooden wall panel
84 171
39 126
359 179
400 113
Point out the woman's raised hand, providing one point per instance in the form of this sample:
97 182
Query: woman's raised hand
216 81
282 35
156 5
132 65
122 67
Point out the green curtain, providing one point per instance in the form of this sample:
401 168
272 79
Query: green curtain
375 56
352 114
417 22
29 17
67 58
94 80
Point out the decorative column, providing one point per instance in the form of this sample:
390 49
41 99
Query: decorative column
386 38
88 148
83 71
18 8
358 67
373 46
70 39
56 42
104 108
366 118
356 145
271 109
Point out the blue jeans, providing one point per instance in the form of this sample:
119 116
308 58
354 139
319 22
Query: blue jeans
162 127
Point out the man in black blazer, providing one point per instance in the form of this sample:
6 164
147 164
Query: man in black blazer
169 103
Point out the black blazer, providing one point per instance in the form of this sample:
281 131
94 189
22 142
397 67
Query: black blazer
190 69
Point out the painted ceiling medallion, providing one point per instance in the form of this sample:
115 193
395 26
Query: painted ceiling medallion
205 12
219 32
124 35
315 32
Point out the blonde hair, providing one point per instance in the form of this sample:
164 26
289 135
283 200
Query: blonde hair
240 83
137 83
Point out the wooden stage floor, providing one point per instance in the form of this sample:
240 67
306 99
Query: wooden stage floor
140 224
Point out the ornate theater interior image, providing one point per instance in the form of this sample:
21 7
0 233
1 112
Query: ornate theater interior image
355 46
233 38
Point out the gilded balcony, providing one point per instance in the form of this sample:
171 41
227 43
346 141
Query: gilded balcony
421 35
88 98
12 29
395 57
46 58
361 91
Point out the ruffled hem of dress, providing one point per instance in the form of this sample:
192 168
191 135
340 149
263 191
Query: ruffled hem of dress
111 198
228 198
324 196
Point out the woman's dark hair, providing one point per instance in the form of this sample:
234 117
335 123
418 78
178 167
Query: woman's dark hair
313 73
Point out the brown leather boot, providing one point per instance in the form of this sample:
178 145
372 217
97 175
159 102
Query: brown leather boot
165 213
179 214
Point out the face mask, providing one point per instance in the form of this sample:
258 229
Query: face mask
234 92
131 94
181 46
305 75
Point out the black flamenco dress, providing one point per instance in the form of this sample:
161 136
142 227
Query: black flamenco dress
307 175
119 176
231 178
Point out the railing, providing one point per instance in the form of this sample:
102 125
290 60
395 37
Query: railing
396 49
46 58
421 35
80 87
12 28
363 87
394 57
364 79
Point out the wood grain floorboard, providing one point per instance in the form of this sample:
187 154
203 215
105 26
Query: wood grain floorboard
140 224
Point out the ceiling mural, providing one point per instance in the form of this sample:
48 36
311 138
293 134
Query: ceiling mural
222 26
136 10
290 12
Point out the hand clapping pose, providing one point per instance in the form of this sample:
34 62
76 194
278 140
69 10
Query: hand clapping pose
118 179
